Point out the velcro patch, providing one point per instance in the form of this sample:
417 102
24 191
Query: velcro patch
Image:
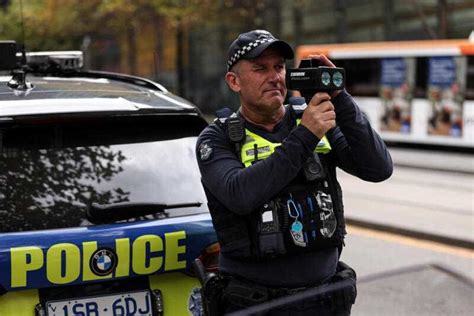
205 151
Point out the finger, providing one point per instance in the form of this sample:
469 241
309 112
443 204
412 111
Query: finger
323 95
325 61
319 98
326 106
314 56
328 116
329 124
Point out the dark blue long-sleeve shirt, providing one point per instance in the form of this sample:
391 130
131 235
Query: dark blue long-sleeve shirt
356 148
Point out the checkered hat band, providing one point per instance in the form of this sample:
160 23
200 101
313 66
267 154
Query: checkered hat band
247 48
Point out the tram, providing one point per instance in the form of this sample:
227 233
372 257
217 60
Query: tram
414 92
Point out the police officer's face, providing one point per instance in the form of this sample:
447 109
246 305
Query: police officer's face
261 81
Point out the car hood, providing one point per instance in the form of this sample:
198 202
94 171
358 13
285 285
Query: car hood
57 106
81 94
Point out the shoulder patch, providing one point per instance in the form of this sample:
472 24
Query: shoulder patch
205 151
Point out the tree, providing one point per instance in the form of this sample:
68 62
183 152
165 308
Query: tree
52 188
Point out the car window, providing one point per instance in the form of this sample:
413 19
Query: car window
51 174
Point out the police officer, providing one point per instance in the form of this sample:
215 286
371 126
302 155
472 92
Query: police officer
269 173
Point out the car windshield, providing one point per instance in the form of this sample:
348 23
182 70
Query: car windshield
52 174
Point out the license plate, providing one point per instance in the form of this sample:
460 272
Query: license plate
132 303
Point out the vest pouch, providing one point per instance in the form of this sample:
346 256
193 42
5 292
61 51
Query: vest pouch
270 233
312 220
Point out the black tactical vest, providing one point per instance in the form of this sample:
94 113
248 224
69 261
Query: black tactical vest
306 216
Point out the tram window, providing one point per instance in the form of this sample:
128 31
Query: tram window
470 78
421 77
362 76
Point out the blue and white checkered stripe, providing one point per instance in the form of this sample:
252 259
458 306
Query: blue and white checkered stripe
235 58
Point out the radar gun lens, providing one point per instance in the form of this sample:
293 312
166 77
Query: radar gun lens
337 79
325 78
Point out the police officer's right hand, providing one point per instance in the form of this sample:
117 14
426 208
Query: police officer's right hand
319 116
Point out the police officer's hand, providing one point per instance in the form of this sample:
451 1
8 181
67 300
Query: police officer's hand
324 61
319 116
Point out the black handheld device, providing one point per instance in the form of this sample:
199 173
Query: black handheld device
313 169
235 129
270 235
310 77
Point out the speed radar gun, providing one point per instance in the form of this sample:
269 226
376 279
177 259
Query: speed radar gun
310 78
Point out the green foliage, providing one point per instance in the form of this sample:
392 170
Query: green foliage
48 25
62 24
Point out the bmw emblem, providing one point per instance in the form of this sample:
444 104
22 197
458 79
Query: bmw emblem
103 261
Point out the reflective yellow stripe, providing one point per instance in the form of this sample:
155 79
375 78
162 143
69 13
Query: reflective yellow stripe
20 303
264 148
323 147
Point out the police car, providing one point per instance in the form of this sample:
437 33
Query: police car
101 205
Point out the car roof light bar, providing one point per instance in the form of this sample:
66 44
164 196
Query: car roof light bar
64 60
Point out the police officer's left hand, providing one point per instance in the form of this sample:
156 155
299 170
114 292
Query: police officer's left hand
324 61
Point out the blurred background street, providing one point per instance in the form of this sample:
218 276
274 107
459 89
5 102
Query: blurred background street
411 238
